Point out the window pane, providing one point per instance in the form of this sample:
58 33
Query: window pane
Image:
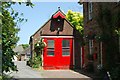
50 43
65 53
50 53
65 43
90 10
50 49
91 46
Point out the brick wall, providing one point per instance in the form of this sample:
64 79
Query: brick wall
92 26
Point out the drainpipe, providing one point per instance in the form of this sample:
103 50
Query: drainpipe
81 58
32 47
119 43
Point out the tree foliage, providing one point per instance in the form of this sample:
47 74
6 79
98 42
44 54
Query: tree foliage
10 21
25 46
9 40
76 19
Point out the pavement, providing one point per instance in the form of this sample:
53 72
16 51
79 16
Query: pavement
25 72
64 75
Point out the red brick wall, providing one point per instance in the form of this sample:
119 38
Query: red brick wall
92 26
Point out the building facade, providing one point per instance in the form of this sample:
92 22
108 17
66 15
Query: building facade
60 51
95 49
20 55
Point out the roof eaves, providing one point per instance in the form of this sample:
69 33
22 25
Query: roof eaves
69 23
41 26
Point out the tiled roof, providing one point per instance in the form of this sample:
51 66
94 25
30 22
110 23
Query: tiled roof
26 51
18 49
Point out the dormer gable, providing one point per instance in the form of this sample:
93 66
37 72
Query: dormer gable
57 21
59 13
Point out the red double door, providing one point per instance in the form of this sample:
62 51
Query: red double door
58 54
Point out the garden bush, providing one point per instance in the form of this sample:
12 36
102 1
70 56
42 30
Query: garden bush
37 62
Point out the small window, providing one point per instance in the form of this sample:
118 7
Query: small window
65 47
50 53
65 43
91 46
50 48
50 43
90 10
65 52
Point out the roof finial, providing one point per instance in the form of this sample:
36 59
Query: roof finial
58 7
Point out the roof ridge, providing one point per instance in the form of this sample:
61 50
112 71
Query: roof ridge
58 11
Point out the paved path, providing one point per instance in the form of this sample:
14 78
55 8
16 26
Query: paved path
67 74
25 71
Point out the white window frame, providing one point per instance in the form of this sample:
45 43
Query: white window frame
90 10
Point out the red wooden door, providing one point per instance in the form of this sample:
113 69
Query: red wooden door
58 54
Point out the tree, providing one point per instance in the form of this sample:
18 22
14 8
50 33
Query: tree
76 19
25 46
9 40
9 34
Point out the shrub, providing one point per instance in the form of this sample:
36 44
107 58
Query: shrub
29 62
5 77
37 62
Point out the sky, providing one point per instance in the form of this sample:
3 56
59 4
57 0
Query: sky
39 14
